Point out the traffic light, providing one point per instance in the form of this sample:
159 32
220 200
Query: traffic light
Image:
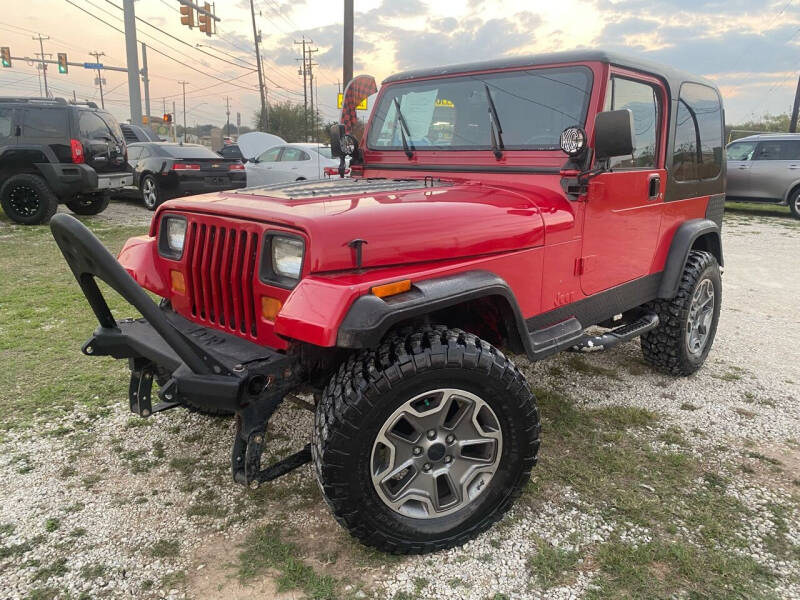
167 118
63 67
187 16
204 20
5 56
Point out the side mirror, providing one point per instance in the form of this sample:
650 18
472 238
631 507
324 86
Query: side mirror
614 134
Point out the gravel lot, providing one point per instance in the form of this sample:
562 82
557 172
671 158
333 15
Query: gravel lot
99 503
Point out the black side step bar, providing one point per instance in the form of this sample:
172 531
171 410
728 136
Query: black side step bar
596 343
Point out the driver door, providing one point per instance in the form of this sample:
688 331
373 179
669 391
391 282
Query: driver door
623 209
262 171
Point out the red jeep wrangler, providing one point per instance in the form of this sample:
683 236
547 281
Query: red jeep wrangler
509 204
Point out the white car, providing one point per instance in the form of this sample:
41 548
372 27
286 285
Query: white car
268 162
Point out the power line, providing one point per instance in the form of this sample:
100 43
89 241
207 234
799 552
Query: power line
157 51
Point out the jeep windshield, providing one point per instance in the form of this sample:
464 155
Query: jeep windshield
533 105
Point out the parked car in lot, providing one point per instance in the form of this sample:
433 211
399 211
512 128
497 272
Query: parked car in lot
765 168
497 207
52 152
163 170
271 160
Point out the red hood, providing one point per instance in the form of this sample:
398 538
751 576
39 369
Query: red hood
399 226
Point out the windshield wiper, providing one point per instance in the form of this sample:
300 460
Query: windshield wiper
409 149
494 123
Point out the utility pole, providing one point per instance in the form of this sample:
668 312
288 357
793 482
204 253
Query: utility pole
257 42
132 55
227 116
303 72
347 52
183 85
793 122
41 39
146 81
311 90
97 56
174 124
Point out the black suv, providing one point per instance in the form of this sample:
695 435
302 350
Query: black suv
52 151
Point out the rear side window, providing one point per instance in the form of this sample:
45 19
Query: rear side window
44 123
134 152
778 150
697 150
112 124
294 154
189 152
6 122
93 127
640 98
325 151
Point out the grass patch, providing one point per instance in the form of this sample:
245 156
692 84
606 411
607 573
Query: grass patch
52 524
605 455
165 548
173 580
93 571
577 363
45 593
551 566
265 549
55 569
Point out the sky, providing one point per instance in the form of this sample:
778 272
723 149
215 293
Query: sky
750 48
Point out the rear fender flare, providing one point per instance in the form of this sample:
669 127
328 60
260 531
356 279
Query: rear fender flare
702 234
370 318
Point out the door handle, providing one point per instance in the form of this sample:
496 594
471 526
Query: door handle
654 187
794 167
743 167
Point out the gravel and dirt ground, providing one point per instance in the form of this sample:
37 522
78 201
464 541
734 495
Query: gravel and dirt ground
647 486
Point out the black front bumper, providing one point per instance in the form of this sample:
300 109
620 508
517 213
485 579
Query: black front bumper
194 365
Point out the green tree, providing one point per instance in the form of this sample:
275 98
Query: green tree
288 120
768 123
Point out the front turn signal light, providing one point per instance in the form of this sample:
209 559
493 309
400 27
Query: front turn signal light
177 282
391 289
270 307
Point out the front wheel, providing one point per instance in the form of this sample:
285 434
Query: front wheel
687 322
425 442
27 199
794 204
89 204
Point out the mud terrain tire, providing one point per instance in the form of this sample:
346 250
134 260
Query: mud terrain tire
667 347
361 398
27 199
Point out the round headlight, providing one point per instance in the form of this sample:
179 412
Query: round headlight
573 140
287 256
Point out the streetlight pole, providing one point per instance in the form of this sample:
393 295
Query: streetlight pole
257 41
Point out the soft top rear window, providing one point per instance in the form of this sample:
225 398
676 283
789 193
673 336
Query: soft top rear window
177 151
533 106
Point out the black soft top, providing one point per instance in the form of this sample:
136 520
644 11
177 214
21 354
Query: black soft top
673 77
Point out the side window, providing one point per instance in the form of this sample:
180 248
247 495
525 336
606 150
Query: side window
641 99
93 127
134 153
270 155
44 123
293 155
146 152
778 150
697 149
741 151
6 122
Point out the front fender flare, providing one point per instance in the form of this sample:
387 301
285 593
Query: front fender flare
370 318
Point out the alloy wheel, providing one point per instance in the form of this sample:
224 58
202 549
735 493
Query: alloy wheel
436 453
25 200
701 315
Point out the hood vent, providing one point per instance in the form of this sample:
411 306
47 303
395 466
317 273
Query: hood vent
328 188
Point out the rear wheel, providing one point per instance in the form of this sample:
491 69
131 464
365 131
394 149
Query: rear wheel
151 194
90 204
425 442
794 203
27 199
687 322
